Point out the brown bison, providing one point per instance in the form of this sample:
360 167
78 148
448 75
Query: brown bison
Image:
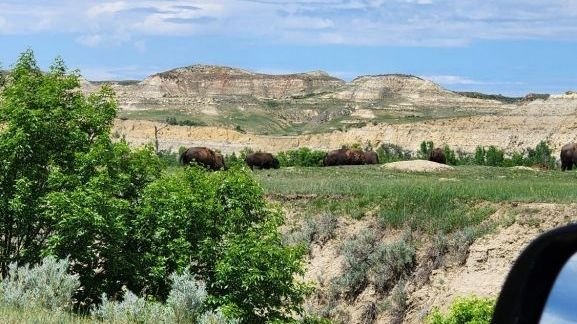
262 160
203 156
438 155
371 157
344 157
568 156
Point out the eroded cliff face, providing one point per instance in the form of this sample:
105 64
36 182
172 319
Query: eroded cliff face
203 80
408 90
205 87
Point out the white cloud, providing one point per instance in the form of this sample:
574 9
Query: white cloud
366 22
450 79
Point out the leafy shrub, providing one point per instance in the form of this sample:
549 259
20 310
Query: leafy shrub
368 262
357 252
391 263
46 285
398 302
186 297
186 122
132 309
541 156
425 150
169 158
494 156
318 229
391 153
450 155
302 157
216 317
480 155
473 310
184 305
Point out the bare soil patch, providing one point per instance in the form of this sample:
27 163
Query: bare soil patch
417 166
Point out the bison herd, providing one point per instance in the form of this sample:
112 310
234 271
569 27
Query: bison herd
214 161
345 156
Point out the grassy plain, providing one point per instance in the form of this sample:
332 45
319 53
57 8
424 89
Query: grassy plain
431 202
292 116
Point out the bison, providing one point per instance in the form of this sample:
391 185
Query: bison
568 156
438 155
371 157
203 156
262 160
344 157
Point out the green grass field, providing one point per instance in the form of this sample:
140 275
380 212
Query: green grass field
432 202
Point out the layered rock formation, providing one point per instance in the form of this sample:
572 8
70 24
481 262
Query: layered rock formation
206 80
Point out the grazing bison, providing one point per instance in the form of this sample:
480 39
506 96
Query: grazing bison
344 157
203 156
371 157
568 156
262 160
438 155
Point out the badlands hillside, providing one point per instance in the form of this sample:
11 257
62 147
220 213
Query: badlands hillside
230 109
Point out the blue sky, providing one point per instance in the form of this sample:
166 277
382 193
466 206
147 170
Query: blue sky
511 47
562 301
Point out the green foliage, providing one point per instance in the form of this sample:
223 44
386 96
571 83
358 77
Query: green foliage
391 153
494 156
480 155
46 285
473 310
425 150
168 158
368 261
302 157
184 305
49 129
391 263
186 122
541 156
318 229
222 222
450 155
67 190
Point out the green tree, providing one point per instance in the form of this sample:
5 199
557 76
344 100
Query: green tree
450 155
425 150
541 156
480 155
221 222
494 156
48 125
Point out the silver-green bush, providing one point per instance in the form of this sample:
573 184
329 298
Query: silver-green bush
46 285
186 297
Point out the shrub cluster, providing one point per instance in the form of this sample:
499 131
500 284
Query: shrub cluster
186 122
465 310
392 153
302 157
369 262
185 304
46 285
488 156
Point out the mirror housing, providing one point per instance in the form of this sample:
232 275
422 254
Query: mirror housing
528 284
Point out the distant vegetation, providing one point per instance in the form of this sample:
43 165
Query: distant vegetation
499 97
465 310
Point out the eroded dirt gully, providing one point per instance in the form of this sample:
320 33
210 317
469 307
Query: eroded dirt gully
486 263
509 132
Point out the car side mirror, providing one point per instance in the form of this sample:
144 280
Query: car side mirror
534 274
